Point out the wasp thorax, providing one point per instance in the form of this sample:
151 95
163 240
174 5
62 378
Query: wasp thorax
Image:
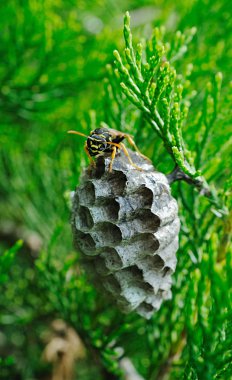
126 226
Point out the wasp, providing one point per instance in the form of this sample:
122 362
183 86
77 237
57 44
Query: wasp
105 140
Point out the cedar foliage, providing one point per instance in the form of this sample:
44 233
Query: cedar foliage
58 73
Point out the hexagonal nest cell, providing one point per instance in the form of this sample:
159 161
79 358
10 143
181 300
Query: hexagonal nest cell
125 224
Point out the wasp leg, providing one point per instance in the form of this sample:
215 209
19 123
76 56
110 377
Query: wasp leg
132 143
114 151
128 156
87 152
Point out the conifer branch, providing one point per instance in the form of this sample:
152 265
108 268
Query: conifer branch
150 82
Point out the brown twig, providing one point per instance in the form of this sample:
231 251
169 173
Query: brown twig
178 175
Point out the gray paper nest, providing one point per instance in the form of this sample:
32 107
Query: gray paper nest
126 225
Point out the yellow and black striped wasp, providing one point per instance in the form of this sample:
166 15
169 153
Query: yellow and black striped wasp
106 140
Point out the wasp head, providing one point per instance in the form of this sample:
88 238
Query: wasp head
97 144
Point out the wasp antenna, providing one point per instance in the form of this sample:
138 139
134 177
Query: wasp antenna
78 133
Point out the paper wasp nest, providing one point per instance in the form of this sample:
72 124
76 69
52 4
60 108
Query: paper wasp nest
125 223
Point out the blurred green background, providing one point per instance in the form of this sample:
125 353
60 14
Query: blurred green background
52 70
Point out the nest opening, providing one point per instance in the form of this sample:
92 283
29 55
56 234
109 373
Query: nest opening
87 194
146 308
100 167
146 242
108 234
117 182
85 242
112 285
100 266
157 262
136 273
112 208
167 271
148 220
160 293
144 196
84 220
112 259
